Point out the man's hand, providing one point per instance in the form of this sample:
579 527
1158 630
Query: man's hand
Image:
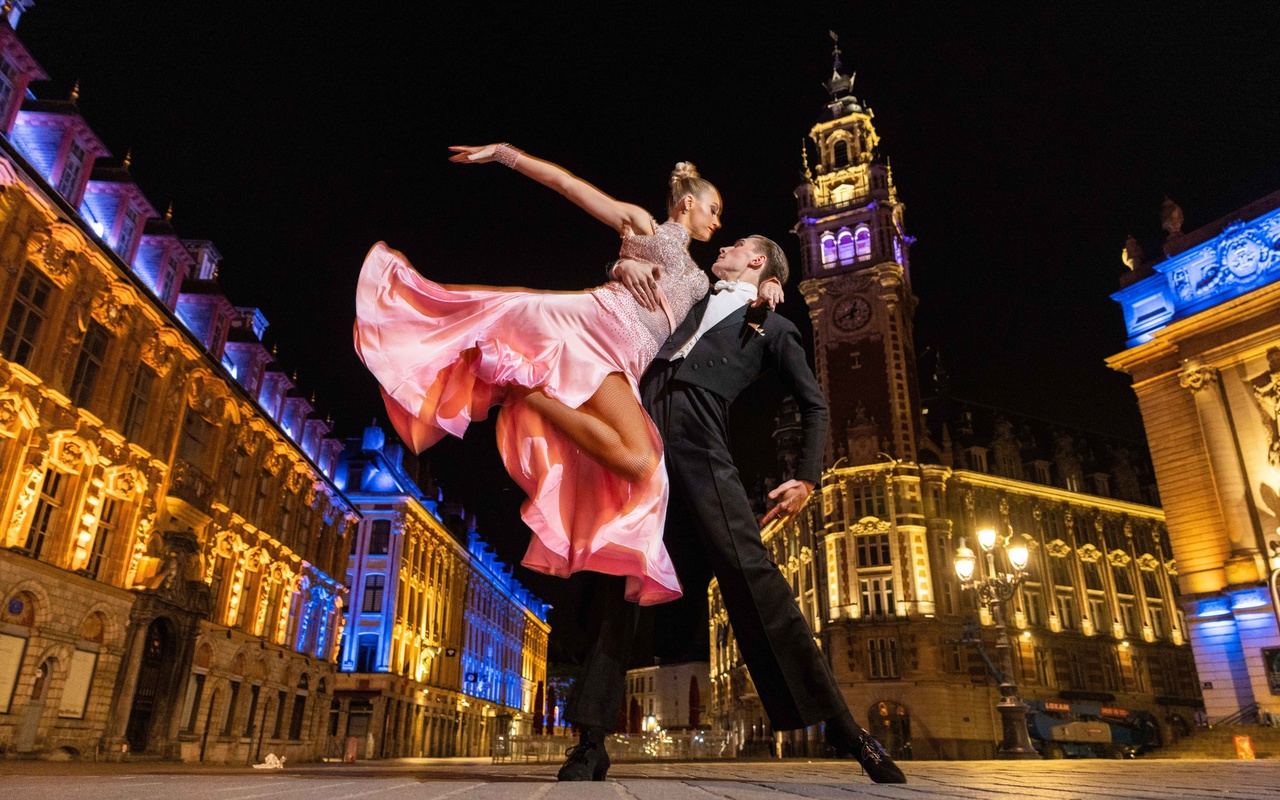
770 292
790 496
641 278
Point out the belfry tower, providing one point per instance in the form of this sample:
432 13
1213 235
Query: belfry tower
857 282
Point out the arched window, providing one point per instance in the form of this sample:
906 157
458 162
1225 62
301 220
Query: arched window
844 245
828 249
19 611
840 154
862 242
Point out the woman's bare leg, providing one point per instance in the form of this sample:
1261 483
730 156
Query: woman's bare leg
610 427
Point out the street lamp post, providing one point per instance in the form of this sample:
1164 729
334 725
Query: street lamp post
993 591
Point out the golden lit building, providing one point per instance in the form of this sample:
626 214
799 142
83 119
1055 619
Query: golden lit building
444 650
171 530
1204 354
870 556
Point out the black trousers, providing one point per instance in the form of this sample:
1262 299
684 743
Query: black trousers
711 529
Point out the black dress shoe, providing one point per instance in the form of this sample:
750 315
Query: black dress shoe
848 738
587 761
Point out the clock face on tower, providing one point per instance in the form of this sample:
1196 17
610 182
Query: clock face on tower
851 314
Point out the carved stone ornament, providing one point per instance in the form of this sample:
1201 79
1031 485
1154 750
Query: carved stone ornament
71 454
111 307
276 460
806 555
869 525
1266 394
158 351
1148 562
1119 558
1089 554
127 481
32 476
246 438
1243 252
1197 378
207 396
55 248
1171 567
1058 548
8 411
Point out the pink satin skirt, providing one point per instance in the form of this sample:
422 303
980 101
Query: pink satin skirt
443 354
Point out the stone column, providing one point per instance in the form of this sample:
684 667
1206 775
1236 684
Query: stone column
1227 471
126 685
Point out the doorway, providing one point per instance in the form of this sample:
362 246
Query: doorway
157 652
891 725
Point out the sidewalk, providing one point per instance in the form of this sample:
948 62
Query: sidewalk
477 779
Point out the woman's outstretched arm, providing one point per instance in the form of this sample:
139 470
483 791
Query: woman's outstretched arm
622 217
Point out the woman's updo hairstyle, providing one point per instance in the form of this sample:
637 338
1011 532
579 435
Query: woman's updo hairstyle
685 180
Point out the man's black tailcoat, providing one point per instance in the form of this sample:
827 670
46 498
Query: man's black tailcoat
710 525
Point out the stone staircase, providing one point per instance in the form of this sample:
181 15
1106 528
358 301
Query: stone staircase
1219 742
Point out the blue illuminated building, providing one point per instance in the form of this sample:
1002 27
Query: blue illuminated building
444 650
1204 353
174 541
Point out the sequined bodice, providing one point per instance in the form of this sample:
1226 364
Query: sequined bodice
682 281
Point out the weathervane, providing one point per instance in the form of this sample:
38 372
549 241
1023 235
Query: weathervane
835 40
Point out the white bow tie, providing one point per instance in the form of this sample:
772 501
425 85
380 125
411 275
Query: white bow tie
726 286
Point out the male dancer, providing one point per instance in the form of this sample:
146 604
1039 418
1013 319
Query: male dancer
719 349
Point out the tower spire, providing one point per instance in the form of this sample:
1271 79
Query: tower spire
839 85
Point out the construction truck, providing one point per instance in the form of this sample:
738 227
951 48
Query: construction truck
1061 729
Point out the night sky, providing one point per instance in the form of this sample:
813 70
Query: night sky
1026 144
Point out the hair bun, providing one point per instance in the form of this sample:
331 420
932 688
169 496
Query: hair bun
685 170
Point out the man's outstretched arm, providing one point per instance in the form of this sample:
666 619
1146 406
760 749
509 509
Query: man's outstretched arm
793 365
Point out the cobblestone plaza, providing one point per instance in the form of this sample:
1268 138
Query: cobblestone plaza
477 779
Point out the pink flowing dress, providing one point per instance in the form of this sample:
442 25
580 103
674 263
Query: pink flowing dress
443 354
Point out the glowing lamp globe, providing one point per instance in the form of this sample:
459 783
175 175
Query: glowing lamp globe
987 538
1018 556
965 562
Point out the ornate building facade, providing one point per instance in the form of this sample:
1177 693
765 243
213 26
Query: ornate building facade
666 697
445 649
171 530
1204 354
870 557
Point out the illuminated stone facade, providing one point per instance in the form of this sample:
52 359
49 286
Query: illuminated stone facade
870 556
171 530
1204 354
667 697
445 650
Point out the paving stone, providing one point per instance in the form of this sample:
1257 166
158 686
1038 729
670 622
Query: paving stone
819 780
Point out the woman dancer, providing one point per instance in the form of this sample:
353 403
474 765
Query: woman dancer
564 365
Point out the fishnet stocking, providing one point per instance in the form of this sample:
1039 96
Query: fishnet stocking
611 428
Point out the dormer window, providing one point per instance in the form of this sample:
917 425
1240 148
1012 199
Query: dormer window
862 242
7 81
168 276
127 228
71 171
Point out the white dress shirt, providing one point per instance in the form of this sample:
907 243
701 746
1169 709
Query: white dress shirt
726 298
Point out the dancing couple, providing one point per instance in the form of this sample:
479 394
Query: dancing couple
614 421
